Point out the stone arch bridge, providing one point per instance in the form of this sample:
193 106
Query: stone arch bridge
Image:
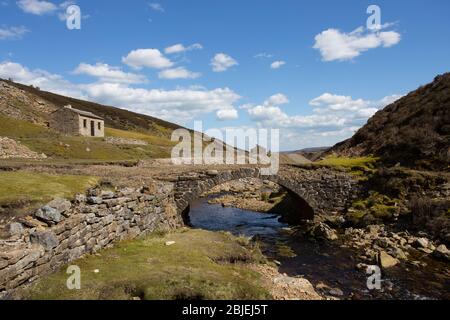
319 190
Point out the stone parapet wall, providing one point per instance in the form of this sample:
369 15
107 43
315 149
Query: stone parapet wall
325 190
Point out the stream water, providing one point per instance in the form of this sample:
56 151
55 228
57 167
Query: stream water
326 266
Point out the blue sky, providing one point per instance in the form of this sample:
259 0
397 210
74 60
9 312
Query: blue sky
310 68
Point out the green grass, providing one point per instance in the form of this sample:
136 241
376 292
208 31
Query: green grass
40 188
67 147
343 162
18 129
154 140
358 166
377 205
197 266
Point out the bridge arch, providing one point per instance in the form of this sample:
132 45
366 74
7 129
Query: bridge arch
316 191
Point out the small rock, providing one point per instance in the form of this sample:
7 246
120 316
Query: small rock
386 261
62 205
15 229
323 231
442 252
32 223
96 271
425 250
94 200
383 242
422 243
362 267
373 229
399 254
47 239
170 243
80 198
49 214
336 292
212 173
107 194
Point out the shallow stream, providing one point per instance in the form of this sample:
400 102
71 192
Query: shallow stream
330 268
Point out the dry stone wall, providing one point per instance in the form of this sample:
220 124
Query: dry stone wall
63 231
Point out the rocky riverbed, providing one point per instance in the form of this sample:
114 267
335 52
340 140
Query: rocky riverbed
337 256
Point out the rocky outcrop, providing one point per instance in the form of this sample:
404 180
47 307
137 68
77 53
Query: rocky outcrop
63 231
11 149
18 104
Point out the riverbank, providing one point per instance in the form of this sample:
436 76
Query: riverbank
331 251
185 264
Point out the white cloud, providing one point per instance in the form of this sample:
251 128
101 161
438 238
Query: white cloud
227 114
156 6
150 58
336 45
178 73
269 110
266 112
39 78
106 73
247 106
12 32
328 102
178 48
277 64
179 105
333 119
37 7
276 100
221 62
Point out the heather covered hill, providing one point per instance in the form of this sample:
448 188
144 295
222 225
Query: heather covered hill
413 131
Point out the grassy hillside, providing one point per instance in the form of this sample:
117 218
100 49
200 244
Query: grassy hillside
414 131
114 117
57 146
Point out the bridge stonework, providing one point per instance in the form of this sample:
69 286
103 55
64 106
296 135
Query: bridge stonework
324 190
63 230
